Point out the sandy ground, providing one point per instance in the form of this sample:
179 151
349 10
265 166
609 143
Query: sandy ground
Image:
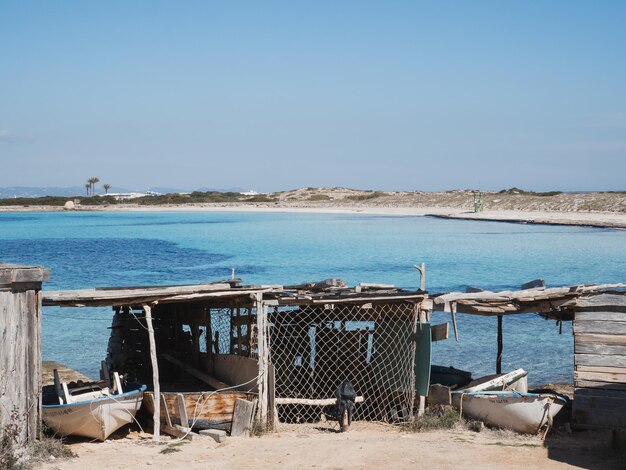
364 447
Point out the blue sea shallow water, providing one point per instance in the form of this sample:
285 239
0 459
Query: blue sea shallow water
85 250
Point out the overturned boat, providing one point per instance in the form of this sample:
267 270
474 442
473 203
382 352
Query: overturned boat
93 410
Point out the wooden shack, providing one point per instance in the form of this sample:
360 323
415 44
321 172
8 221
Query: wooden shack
20 351
285 348
599 316
600 360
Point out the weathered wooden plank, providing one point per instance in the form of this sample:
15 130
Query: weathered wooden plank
600 301
600 316
182 410
599 360
583 338
598 407
600 385
311 401
599 369
599 394
599 349
580 375
242 417
600 327
12 274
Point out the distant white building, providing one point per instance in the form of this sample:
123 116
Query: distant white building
132 195
250 193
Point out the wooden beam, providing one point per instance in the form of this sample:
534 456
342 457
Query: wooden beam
312 402
500 347
156 416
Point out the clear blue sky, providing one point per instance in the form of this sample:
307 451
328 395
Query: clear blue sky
278 95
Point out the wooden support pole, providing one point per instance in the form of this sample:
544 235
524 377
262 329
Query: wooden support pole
156 416
263 358
453 314
499 357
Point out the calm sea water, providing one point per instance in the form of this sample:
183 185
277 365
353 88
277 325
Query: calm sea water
85 250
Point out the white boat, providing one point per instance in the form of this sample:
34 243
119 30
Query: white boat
91 410
522 412
516 380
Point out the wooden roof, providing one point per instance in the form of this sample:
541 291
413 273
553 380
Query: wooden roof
330 291
557 302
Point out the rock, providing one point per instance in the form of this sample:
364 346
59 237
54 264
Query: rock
69 206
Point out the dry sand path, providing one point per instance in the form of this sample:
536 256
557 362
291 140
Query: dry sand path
361 448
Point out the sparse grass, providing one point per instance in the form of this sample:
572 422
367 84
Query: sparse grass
504 444
258 429
319 197
366 197
435 418
529 193
12 458
175 447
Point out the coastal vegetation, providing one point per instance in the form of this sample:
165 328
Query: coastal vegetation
512 199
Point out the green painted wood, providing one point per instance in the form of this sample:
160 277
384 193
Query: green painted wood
423 352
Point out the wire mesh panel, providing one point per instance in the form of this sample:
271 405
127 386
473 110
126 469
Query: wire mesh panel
315 349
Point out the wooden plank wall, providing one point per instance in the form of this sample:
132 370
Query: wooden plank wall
600 362
20 358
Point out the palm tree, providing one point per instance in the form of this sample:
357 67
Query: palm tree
92 181
106 187
87 186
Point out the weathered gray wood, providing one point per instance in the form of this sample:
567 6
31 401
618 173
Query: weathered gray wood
156 416
585 338
600 301
600 316
178 432
608 370
182 410
599 360
20 352
12 274
312 401
439 395
583 348
601 376
600 384
593 407
600 327
242 417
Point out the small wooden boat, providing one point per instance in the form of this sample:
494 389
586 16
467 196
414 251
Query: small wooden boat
449 376
514 381
92 410
203 410
522 412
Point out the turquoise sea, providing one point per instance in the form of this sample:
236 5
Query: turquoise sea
89 249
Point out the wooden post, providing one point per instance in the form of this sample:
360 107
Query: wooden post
499 357
263 357
20 352
156 416
453 314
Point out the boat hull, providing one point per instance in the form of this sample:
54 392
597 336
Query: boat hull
522 412
94 419
205 410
